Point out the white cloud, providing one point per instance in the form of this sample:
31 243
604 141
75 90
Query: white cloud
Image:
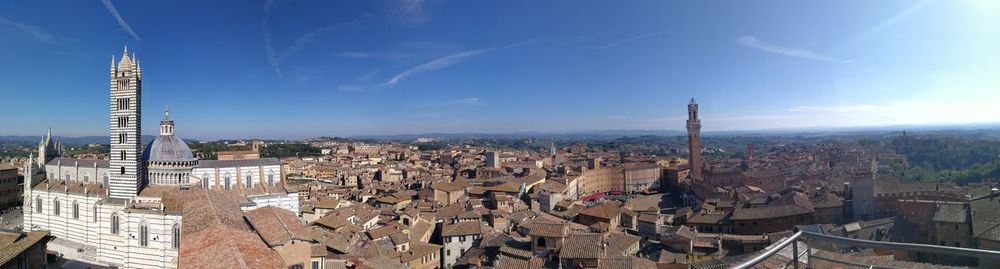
753 42
447 61
121 21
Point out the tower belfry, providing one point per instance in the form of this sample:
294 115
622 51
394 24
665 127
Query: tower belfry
126 167
694 139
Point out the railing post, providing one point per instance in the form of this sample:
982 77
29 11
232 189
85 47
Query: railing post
795 253
809 255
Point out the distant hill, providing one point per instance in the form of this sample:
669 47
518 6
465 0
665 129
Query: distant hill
80 140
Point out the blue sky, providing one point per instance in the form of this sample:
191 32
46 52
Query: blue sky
294 69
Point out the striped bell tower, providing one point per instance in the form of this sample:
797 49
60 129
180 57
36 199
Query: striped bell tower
126 167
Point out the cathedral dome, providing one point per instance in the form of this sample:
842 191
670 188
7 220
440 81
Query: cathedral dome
168 148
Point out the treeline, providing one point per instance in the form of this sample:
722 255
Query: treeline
957 159
289 150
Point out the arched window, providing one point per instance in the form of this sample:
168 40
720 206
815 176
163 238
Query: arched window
66 178
86 178
55 206
204 180
105 180
123 168
144 235
114 223
76 210
226 180
541 242
95 213
270 178
38 204
177 236
249 181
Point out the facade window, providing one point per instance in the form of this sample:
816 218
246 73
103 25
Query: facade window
55 206
541 242
448 252
204 180
38 205
315 265
86 178
105 179
249 180
76 211
296 266
95 213
66 178
177 236
114 223
144 235
226 180
270 178
123 168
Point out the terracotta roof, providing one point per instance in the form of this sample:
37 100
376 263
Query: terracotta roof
418 250
582 246
205 209
221 246
545 229
13 244
277 226
461 228
606 210
76 187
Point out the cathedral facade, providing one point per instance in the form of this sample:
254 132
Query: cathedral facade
129 208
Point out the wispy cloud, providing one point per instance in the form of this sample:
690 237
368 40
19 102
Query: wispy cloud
274 57
29 31
624 41
447 61
409 11
753 42
354 54
835 109
902 15
469 101
121 21
14 29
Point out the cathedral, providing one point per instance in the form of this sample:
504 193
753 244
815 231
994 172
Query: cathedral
131 207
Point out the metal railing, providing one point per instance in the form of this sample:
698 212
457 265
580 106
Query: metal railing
812 236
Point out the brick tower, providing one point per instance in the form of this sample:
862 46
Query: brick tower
694 140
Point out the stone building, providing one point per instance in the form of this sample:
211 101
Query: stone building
10 187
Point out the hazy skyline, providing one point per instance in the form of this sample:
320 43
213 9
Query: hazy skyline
294 69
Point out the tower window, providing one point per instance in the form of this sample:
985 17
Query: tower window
177 236
144 235
114 223
123 168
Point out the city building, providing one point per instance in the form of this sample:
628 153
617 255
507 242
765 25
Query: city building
10 186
